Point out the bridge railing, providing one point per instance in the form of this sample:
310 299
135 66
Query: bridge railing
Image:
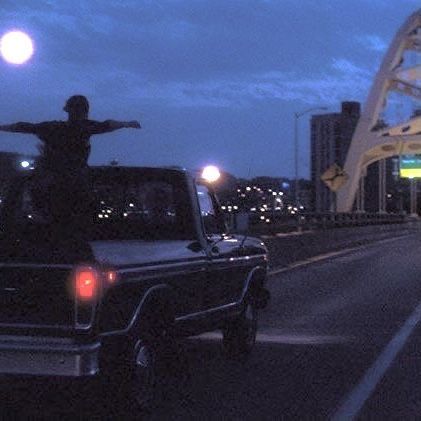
329 220
241 222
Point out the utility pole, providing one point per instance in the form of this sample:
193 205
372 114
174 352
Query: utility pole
297 115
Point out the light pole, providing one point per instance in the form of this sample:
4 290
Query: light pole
297 115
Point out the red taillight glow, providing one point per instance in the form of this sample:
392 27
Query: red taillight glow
87 284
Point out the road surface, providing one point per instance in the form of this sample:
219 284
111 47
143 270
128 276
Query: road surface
340 340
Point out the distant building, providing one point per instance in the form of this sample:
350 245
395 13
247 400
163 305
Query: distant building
331 135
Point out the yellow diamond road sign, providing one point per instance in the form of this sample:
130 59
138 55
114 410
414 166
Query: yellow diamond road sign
334 177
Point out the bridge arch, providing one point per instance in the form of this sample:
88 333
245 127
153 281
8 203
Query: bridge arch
373 141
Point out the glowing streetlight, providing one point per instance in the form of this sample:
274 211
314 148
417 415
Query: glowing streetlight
16 47
25 164
211 173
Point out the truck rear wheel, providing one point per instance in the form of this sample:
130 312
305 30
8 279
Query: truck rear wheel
145 374
239 335
157 370
154 360
129 379
142 386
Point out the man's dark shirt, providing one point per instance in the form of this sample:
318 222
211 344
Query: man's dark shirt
65 145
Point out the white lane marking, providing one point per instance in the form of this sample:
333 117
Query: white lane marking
289 339
352 405
312 260
330 255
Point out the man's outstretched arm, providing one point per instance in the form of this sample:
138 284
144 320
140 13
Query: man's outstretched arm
20 127
96 127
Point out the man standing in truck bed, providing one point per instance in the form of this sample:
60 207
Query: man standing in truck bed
66 144
64 152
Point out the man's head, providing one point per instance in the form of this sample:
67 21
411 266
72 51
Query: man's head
78 107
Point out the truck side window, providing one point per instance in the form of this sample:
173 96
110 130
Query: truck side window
208 211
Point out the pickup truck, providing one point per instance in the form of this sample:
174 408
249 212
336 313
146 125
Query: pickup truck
99 283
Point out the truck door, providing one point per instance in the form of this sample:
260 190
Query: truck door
226 270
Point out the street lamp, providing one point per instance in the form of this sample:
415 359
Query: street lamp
297 115
211 173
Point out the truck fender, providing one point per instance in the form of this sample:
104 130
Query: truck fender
254 288
154 313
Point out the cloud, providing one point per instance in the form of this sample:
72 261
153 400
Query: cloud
346 67
373 43
343 79
174 40
191 53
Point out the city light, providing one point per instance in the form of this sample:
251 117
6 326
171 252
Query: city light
16 47
211 173
265 203
25 164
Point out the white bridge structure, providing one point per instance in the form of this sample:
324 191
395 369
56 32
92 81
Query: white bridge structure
373 140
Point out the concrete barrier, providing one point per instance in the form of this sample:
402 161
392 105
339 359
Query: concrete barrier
285 249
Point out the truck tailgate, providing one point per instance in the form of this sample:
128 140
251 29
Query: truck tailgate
36 294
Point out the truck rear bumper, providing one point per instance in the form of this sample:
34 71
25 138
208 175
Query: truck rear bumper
41 356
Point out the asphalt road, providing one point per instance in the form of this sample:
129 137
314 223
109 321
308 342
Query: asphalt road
340 340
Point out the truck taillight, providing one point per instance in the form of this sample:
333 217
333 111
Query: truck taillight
110 277
87 283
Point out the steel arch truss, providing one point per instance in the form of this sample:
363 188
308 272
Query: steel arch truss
372 141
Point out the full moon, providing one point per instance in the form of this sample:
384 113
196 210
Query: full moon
16 47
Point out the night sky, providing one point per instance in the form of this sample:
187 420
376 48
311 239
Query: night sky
214 81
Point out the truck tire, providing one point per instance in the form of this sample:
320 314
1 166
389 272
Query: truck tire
153 361
133 377
129 379
239 335
141 388
157 370
154 364
144 382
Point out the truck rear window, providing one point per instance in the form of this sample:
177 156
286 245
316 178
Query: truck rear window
106 208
